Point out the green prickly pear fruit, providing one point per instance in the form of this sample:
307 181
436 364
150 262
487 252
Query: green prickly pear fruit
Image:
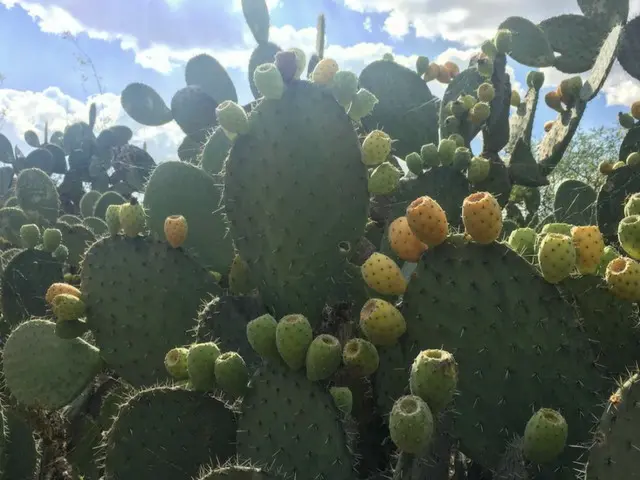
342 398
489 49
414 163
51 238
422 65
261 334
430 156
411 424
545 436
561 228
451 124
456 137
344 87
557 257
201 362
515 99
67 307
287 63
632 207
112 218
553 101
232 118
293 337
61 253
448 109
384 179
434 378
232 374
618 165
388 57
132 218
479 169
486 92
30 235
376 147
502 41
462 158
485 67
360 357
469 101
175 362
381 322
301 62
362 105
535 79
629 235
610 253
633 160
480 113
323 357
523 240
446 151
240 277
458 108
268 81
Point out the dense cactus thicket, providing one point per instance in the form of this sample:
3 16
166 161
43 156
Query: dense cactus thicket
329 283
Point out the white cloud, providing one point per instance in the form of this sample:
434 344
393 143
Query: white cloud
367 24
397 24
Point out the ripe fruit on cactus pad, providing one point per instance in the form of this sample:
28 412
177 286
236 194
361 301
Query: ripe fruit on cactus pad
132 218
404 242
383 275
482 217
175 230
428 221
557 257
381 322
623 278
589 246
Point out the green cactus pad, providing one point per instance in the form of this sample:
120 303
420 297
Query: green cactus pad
630 144
177 188
263 53
237 472
391 379
529 44
576 39
37 193
521 121
144 105
606 12
449 304
20 456
194 111
11 219
141 296
406 109
465 83
574 203
206 72
25 281
557 140
84 440
292 423
70 219
498 182
612 196
495 132
96 225
43 370
613 453
106 199
256 15
40 158
77 239
88 203
603 64
215 151
523 168
6 150
188 150
147 438
630 48
300 163
224 320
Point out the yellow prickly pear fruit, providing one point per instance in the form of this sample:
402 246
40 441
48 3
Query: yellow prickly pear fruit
635 110
376 147
605 167
175 230
444 76
545 436
482 217
556 257
485 67
552 99
404 242
480 113
325 71
383 275
618 165
132 218
58 288
428 221
632 206
381 322
67 307
523 240
433 71
452 68
175 362
486 92
623 278
589 246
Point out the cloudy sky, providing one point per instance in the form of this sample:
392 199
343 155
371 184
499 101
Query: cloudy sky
48 77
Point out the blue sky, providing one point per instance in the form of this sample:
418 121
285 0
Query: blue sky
150 40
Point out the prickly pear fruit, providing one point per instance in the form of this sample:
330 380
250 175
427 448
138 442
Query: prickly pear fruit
112 218
414 163
486 92
383 275
462 158
618 165
489 49
556 257
293 337
605 167
428 221
232 374
610 253
633 160
479 169
434 378
30 235
562 228
362 105
446 151
623 278
301 61
261 334
239 277
376 147
61 253
456 137
444 76
342 398
553 101
548 126
175 362
480 113
381 322
535 79
175 230
132 218
384 179
485 67
201 362
360 357
502 41
268 81
57 288
629 235
67 307
523 240
404 242
452 68
433 71
232 118
325 71
51 239
545 436
429 154
482 217
635 110
422 64
515 98
626 120
632 207
287 63
411 424
589 246
344 87
323 357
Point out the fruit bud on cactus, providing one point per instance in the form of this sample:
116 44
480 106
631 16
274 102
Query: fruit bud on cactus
344 87
232 118
269 81
362 105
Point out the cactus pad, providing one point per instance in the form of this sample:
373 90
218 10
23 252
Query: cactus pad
603 64
630 48
11 219
106 199
630 144
43 370
530 46
612 196
575 203
606 12
144 105
237 472
19 455
77 239
37 193
141 296
207 73
555 143
215 152
147 438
